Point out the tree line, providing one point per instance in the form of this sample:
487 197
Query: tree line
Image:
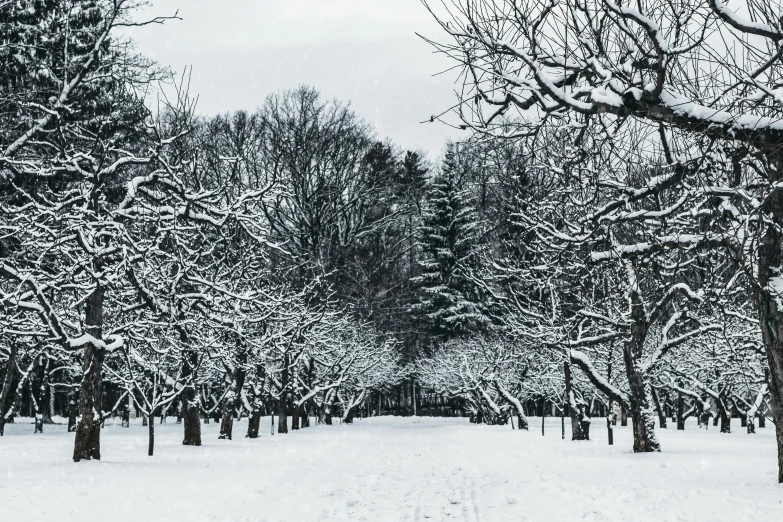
219 267
608 238
645 269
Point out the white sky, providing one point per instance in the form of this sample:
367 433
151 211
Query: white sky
362 51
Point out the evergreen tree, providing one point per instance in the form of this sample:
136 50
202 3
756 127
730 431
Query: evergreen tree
412 180
448 303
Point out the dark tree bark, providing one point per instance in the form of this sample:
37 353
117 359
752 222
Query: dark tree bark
576 409
227 419
254 417
295 417
253 424
724 413
680 411
151 433
10 383
190 408
643 422
48 396
658 409
322 412
282 418
609 416
73 411
562 423
232 401
192 418
87 443
328 407
609 427
770 259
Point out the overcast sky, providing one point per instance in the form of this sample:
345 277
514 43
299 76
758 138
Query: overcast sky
362 51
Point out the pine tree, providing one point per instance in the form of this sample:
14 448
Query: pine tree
448 303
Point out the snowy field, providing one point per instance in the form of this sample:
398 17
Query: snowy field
391 469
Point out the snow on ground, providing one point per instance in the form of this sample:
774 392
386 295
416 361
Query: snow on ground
391 469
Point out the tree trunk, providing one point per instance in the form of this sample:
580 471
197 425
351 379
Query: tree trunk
306 415
10 382
48 409
575 407
87 444
295 417
151 433
328 415
38 423
191 417
609 426
190 410
413 395
254 423
282 418
642 417
562 423
73 401
232 402
725 415
680 411
227 419
322 411
658 409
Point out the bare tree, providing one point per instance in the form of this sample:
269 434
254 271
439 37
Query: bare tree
701 76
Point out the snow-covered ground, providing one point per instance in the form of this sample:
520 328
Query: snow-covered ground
391 469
